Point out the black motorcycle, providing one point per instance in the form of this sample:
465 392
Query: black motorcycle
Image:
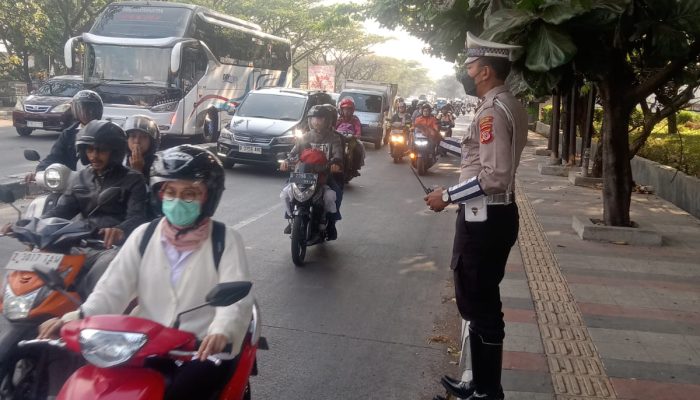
308 213
423 154
446 128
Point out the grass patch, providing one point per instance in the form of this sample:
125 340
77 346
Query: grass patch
681 151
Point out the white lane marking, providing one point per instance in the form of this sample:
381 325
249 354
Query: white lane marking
256 217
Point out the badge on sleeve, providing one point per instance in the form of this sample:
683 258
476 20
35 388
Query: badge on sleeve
486 129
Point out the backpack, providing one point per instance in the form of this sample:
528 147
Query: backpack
218 239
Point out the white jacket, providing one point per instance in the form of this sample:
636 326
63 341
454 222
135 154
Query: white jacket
148 278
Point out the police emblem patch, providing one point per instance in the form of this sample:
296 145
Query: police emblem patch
486 129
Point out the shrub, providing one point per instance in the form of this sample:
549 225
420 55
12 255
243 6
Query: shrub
547 114
687 116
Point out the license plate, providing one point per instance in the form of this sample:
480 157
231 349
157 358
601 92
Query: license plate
26 260
35 124
250 149
301 178
397 132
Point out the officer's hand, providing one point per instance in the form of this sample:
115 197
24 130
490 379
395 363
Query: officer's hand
112 236
284 166
335 168
434 200
50 328
30 177
211 344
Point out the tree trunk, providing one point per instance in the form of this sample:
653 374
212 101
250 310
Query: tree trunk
554 129
617 173
673 124
565 119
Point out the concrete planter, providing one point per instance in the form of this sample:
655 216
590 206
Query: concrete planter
643 235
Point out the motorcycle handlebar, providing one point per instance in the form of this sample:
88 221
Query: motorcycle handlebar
215 358
51 342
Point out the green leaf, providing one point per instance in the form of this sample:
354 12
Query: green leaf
688 12
616 6
560 12
505 23
548 48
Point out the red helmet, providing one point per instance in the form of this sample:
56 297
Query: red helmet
347 102
313 156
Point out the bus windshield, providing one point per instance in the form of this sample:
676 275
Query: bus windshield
124 65
147 21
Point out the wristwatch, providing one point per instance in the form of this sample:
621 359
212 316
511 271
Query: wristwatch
446 196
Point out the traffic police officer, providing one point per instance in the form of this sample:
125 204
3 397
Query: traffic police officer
487 225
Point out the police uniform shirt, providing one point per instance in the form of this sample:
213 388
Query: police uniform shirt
488 150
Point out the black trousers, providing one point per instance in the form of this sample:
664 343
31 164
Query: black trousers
479 257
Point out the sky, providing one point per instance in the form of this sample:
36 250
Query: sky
404 46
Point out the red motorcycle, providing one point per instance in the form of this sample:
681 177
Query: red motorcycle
120 351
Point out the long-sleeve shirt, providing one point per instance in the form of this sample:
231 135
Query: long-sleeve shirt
63 150
149 278
328 142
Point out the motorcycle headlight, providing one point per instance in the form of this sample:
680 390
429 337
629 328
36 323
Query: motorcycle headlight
107 349
61 108
302 195
397 138
18 307
421 142
52 178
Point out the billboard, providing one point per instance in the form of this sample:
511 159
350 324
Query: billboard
322 77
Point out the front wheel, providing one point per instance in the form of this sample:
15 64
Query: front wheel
421 167
298 241
246 393
24 378
24 131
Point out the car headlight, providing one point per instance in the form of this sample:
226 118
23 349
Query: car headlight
19 105
106 349
226 134
302 195
374 124
18 307
165 107
397 138
290 136
61 108
421 142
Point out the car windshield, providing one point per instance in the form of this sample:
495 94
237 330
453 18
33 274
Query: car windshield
60 88
272 106
370 103
126 64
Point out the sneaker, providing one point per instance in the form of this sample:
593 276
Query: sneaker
288 229
331 232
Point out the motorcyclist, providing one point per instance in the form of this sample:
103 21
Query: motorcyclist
86 106
402 117
177 268
143 138
413 107
417 111
102 147
348 123
322 136
447 118
427 123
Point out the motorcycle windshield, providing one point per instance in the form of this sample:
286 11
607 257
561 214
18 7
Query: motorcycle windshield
46 232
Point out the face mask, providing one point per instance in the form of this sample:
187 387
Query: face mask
469 85
181 213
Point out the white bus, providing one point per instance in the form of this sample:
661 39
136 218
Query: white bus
183 65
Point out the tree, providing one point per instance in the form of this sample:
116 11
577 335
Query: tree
22 25
449 87
630 49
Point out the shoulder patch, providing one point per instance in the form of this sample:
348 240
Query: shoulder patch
486 129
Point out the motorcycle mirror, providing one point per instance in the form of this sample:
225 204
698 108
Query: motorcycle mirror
51 277
226 293
31 155
7 196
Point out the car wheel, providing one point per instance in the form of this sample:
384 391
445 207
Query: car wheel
211 127
228 164
24 131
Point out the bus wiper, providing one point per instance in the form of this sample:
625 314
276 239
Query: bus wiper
255 116
105 80
138 83
288 119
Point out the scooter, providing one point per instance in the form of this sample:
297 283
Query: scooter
54 178
422 153
308 212
124 353
27 302
354 153
398 145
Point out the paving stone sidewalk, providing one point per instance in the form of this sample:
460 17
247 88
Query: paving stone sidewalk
591 320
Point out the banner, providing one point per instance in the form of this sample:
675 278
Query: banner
322 77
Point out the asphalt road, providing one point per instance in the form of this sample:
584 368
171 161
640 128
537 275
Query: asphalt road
365 318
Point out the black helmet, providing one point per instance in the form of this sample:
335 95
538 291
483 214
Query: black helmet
326 111
105 135
426 105
189 163
414 102
142 123
86 106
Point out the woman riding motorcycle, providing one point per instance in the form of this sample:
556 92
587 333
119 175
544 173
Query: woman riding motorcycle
322 136
428 124
348 121
177 269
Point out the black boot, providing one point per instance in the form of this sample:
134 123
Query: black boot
331 232
486 372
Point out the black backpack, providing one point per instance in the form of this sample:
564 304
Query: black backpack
218 239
